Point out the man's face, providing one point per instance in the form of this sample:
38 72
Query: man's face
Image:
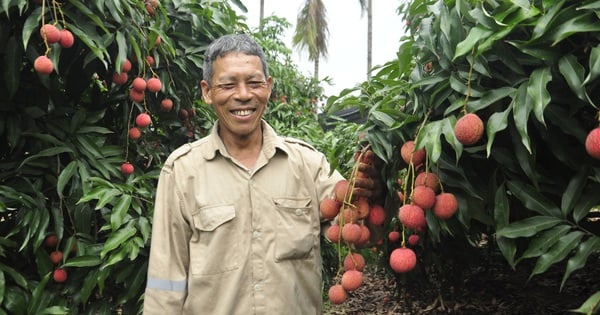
239 94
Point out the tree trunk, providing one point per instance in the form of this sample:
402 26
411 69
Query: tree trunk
369 37
261 15
316 75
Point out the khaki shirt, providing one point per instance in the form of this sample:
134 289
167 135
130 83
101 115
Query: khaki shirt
226 240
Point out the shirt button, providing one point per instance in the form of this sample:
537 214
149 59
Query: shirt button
299 211
257 287
255 234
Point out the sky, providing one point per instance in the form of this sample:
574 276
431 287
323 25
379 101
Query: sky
346 63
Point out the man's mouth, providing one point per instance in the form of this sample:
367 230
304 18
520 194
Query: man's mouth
244 112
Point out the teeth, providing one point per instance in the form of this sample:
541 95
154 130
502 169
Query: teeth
242 112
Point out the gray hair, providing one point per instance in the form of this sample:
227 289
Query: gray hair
225 44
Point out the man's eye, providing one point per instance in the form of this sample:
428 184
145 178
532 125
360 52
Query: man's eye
256 84
226 86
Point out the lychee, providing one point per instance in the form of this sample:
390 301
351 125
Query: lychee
340 189
350 215
354 261
423 197
150 61
66 38
592 143
329 208
365 234
403 260
154 85
136 96
138 84
445 205
408 149
468 129
394 236
376 215
43 65
56 257
412 216
337 294
428 179
59 275
166 105
51 241
351 232
413 239
143 120
351 280
127 168
333 233
126 66
134 133
50 33
120 78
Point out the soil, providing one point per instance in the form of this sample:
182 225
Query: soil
492 289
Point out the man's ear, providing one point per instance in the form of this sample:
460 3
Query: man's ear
205 92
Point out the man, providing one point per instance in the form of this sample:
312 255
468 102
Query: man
236 221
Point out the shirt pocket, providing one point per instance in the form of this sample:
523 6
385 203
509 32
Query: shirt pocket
214 250
294 231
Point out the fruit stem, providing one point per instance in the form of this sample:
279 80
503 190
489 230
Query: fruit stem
469 81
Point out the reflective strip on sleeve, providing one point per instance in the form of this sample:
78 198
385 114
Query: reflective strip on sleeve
167 285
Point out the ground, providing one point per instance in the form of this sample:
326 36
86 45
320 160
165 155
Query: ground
493 289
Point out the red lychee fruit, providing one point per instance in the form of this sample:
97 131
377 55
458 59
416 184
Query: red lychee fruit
350 215
351 232
445 206
413 239
333 233
412 216
59 275
43 65
592 143
51 241
330 208
136 96
138 84
376 215
468 129
127 168
126 66
56 257
134 133
394 236
403 260
150 61
50 33
428 179
337 295
365 234
166 105
120 78
423 197
143 120
66 39
154 85
340 189
351 280
407 149
354 261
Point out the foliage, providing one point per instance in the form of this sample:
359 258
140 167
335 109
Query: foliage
530 70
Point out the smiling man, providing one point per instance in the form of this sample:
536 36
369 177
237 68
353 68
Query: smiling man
236 227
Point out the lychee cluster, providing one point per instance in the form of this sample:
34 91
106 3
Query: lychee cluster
351 218
420 190
56 256
51 34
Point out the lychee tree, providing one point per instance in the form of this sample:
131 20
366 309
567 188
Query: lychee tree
522 78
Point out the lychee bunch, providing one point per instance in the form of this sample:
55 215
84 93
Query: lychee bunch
468 129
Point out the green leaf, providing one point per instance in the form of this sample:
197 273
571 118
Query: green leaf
56 310
544 240
83 261
594 65
2 286
558 252
501 207
476 35
12 61
490 97
528 227
573 73
65 177
508 248
496 123
583 22
46 153
533 200
117 238
31 24
522 106
536 89
430 135
588 200
574 189
106 197
591 306
119 211
584 250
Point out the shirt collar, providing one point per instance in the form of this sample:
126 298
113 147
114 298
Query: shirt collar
271 142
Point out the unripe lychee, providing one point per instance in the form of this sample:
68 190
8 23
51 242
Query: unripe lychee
351 280
120 78
66 38
134 133
337 294
376 215
394 236
428 179
445 206
468 129
351 232
43 65
412 216
408 149
56 257
127 168
403 260
333 233
50 33
340 189
592 143
166 105
423 197
59 275
136 96
329 208
143 120
153 85
138 84
354 261
413 239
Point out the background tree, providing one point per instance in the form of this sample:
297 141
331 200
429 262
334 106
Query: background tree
312 32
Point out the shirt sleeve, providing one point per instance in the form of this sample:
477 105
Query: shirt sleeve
166 289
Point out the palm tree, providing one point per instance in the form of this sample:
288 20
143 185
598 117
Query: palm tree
312 32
